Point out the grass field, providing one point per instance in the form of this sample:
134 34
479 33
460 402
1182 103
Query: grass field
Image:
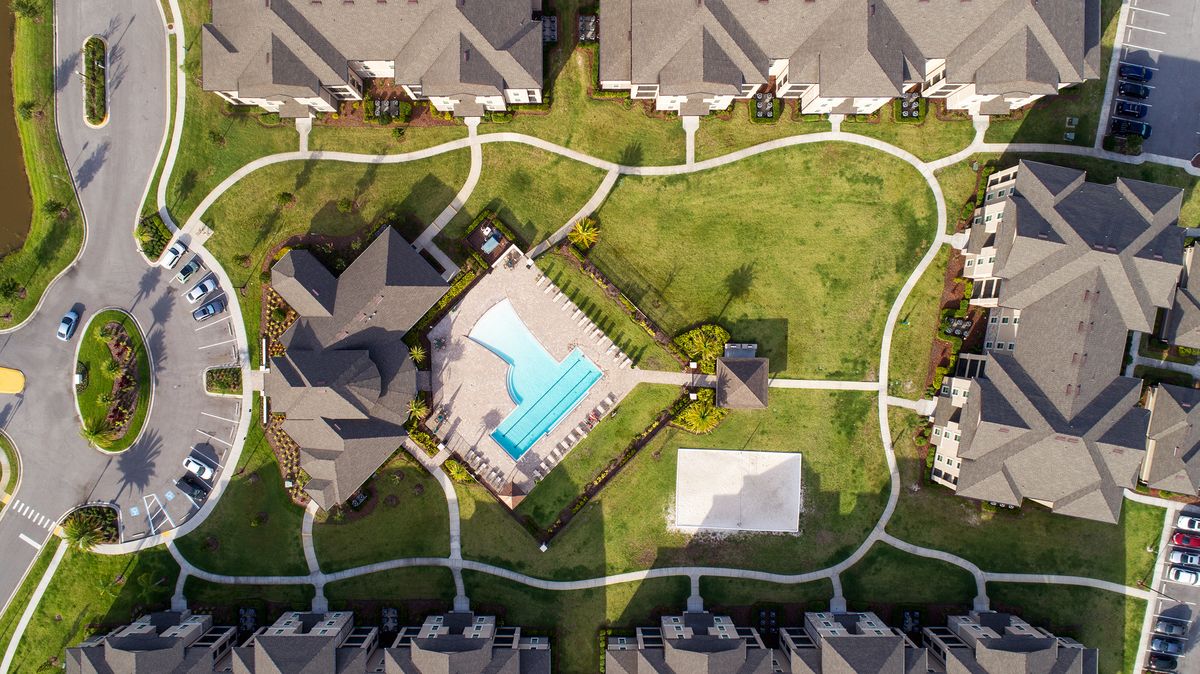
217 138
607 314
414 591
1046 121
534 192
407 518
887 576
53 240
573 619
717 136
90 594
9 477
380 140
931 139
251 218
233 540
94 354
617 130
625 528
1029 540
726 593
587 459
1094 618
268 601
810 279
913 335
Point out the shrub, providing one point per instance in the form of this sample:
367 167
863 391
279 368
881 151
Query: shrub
701 415
456 471
153 235
345 205
398 133
216 138
285 198
223 380
53 207
704 345
10 289
27 9
1188 351
584 234
26 109
404 111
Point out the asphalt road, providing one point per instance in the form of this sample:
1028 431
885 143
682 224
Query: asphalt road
1161 34
110 167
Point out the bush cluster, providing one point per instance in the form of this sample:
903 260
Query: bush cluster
704 345
701 416
153 235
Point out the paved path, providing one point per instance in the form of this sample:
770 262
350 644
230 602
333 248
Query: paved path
690 125
31 606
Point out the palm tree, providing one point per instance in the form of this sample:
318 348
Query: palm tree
417 353
95 430
417 408
83 530
584 234
456 471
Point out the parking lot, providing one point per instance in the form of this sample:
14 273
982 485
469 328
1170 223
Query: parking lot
1176 604
1161 35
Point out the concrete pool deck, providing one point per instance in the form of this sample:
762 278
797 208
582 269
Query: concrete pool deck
469 382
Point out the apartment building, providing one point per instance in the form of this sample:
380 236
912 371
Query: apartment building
1067 269
296 57
696 641
312 642
849 642
847 56
987 641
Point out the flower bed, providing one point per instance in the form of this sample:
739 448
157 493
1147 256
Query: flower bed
115 397
225 380
95 75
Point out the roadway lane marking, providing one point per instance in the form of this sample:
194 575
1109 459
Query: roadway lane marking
1148 30
232 421
1134 46
1150 11
209 346
29 541
209 325
210 435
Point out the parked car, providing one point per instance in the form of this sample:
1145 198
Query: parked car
66 327
217 306
1186 540
1133 90
174 254
1136 73
193 487
1185 557
1184 575
1165 645
190 268
202 288
1188 523
198 467
1135 110
1128 127
1170 628
1163 663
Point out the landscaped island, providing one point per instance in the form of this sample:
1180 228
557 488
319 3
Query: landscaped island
113 386
95 84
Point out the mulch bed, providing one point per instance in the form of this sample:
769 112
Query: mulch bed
125 385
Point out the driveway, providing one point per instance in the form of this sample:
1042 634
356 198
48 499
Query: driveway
1161 34
111 167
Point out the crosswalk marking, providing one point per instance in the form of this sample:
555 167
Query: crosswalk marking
32 515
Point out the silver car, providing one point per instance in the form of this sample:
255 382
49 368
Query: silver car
199 468
201 289
1185 557
174 254
1188 523
1185 576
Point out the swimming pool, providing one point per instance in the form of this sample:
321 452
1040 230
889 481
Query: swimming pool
544 389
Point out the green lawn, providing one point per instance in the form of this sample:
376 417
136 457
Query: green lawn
250 218
606 313
90 594
232 540
727 593
1029 540
958 183
534 192
587 459
1046 121
380 140
268 601
810 277
912 338
617 130
931 139
406 516
217 138
717 136
53 240
625 527
95 356
14 462
573 619
887 577
1094 618
1158 375
20 599
416 592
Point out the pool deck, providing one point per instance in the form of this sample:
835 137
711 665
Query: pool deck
469 382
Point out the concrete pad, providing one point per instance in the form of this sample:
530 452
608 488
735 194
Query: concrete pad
728 490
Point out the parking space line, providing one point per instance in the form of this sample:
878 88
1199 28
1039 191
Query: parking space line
209 346
1135 46
232 421
209 325
1150 11
29 541
1148 30
213 437
1148 105
1126 63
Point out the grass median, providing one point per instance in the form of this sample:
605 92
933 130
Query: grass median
115 398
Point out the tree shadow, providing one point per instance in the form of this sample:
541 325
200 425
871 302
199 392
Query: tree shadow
145 285
87 171
738 284
632 154
137 465
65 69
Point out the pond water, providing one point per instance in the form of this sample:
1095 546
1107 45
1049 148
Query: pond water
14 185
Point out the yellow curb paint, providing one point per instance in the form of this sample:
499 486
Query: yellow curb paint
5 498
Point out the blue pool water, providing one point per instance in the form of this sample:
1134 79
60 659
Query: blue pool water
544 389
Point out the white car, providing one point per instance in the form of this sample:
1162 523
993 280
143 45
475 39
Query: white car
1185 557
201 289
174 254
198 468
1188 523
1179 574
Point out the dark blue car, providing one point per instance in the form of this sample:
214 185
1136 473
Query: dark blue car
1136 73
1134 110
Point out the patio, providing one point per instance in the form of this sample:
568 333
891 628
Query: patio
470 383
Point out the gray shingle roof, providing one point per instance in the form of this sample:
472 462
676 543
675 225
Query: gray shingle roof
742 383
1183 323
1173 462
